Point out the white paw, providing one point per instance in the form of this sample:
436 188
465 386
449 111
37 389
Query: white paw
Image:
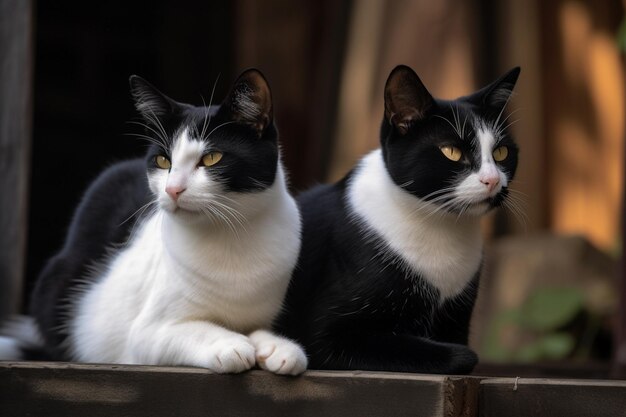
232 354
277 354
9 349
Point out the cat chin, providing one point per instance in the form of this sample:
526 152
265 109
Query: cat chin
186 216
476 209
479 209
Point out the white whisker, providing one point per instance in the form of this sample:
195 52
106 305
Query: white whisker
219 126
205 124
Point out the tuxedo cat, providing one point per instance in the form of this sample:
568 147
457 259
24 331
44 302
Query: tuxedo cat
183 257
391 254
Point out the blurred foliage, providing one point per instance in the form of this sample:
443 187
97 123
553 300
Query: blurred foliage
542 328
621 36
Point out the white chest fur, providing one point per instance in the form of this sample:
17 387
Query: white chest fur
445 250
172 273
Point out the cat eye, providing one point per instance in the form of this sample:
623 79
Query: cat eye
162 162
211 159
451 152
500 153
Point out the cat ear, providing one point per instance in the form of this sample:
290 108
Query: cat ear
498 93
149 101
250 101
406 98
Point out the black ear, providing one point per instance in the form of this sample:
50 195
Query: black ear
406 98
149 101
498 93
250 101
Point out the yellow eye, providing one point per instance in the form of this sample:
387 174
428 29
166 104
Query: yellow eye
451 152
162 162
211 158
501 153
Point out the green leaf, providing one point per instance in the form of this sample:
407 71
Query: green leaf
493 349
550 308
531 352
552 346
557 345
621 36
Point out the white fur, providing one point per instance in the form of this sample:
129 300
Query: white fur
277 354
445 249
16 333
188 288
9 349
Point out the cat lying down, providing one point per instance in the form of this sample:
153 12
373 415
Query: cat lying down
182 257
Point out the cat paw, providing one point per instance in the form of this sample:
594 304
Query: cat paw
277 354
231 355
462 360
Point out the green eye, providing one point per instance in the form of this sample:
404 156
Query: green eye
451 152
162 162
501 153
211 158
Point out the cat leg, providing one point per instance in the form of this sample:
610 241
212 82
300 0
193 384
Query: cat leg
391 352
193 343
278 354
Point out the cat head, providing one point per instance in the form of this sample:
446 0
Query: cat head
203 162
455 154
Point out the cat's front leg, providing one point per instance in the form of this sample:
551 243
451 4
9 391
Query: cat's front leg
193 343
278 354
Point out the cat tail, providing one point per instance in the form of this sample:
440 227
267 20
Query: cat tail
20 339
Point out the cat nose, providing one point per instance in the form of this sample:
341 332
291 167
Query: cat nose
174 191
491 182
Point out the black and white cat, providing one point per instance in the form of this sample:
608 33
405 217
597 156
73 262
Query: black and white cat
391 254
184 257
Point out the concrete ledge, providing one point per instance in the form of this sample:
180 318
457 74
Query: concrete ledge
62 389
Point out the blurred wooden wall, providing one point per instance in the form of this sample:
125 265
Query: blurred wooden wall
16 64
584 112
299 46
437 39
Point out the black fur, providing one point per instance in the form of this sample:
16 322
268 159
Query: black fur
99 224
115 201
351 306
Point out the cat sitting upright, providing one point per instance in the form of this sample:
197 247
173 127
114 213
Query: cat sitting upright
183 257
391 254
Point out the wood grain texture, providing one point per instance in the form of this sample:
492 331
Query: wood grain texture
15 130
56 389
551 398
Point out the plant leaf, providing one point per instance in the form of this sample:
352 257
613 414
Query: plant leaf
551 308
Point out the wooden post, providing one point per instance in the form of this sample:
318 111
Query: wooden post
16 24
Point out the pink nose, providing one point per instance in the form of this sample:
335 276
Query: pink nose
490 182
174 191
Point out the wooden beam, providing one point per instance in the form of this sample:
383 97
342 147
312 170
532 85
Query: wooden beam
514 397
58 389
16 28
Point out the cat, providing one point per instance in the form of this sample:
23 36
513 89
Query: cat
182 257
391 254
